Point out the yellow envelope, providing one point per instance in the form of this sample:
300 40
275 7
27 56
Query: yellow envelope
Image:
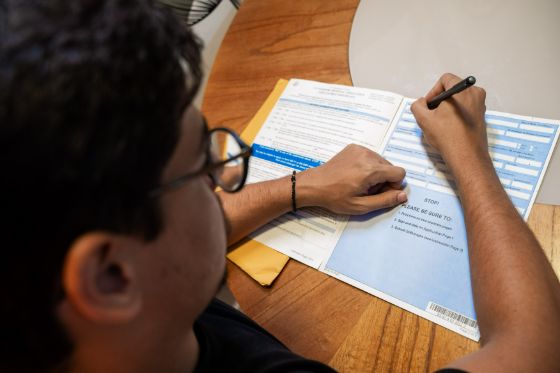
258 260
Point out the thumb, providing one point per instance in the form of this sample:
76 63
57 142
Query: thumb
388 198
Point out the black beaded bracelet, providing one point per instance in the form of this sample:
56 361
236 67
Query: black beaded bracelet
293 191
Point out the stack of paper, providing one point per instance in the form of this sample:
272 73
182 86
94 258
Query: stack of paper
415 255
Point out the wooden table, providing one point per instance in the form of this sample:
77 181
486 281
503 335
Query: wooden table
313 314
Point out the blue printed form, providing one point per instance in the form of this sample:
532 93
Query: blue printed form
416 255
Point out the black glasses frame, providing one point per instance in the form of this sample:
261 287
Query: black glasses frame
210 166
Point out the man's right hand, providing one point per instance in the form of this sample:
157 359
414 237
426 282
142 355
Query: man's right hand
516 292
456 128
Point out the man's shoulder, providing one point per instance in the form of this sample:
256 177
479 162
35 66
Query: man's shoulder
231 341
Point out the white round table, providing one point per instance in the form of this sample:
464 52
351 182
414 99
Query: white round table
512 48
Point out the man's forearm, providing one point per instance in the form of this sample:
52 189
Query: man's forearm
511 278
342 185
516 293
255 205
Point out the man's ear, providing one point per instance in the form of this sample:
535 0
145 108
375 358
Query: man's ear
100 279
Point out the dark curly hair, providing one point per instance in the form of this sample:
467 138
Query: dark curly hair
91 94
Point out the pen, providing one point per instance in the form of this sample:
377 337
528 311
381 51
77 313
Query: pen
462 85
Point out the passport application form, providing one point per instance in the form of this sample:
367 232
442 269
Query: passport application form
416 255
310 123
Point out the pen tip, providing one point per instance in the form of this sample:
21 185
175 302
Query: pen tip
471 80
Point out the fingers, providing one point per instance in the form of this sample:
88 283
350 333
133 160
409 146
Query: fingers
420 110
383 170
392 184
395 185
387 174
382 200
385 187
445 82
376 188
481 93
367 154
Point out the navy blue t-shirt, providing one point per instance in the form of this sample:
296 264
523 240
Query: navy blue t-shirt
231 342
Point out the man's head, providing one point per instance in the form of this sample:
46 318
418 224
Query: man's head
94 114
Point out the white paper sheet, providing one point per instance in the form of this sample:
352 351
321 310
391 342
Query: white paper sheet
311 123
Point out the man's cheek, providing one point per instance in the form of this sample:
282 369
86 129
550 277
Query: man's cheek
216 221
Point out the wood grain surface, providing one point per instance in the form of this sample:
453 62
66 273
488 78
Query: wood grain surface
313 314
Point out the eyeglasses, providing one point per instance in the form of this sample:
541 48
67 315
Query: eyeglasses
227 162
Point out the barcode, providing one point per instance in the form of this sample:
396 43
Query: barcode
447 313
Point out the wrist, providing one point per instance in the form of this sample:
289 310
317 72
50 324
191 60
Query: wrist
469 165
460 160
306 192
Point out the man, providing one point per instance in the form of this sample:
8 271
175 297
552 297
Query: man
116 238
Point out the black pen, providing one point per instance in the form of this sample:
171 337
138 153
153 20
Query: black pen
462 85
